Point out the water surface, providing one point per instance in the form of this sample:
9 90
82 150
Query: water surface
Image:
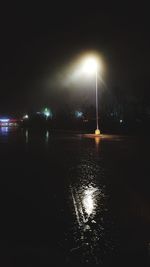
72 199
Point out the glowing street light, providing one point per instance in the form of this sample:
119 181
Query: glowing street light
47 113
26 116
78 114
90 66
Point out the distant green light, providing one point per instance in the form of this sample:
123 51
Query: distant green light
78 114
47 112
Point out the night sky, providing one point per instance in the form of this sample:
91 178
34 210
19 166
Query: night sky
38 40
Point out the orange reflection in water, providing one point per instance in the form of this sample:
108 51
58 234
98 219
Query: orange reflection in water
97 141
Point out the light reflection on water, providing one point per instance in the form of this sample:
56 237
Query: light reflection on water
97 141
89 204
89 198
4 130
85 203
37 136
27 136
47 137
88 201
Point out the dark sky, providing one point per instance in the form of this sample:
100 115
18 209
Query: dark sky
37 39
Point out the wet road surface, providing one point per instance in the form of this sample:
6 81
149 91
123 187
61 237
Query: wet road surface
73 199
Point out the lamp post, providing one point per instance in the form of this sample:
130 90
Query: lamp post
90 66
97 131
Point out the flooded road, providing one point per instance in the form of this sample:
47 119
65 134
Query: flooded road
73 199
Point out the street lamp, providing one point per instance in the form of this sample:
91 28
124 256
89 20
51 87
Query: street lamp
26 116
47 113
90 66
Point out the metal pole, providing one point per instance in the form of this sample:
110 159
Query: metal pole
97 126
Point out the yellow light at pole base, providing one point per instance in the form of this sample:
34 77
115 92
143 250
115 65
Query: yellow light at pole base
97 132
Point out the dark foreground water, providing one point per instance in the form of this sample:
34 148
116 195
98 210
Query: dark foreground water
74 200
